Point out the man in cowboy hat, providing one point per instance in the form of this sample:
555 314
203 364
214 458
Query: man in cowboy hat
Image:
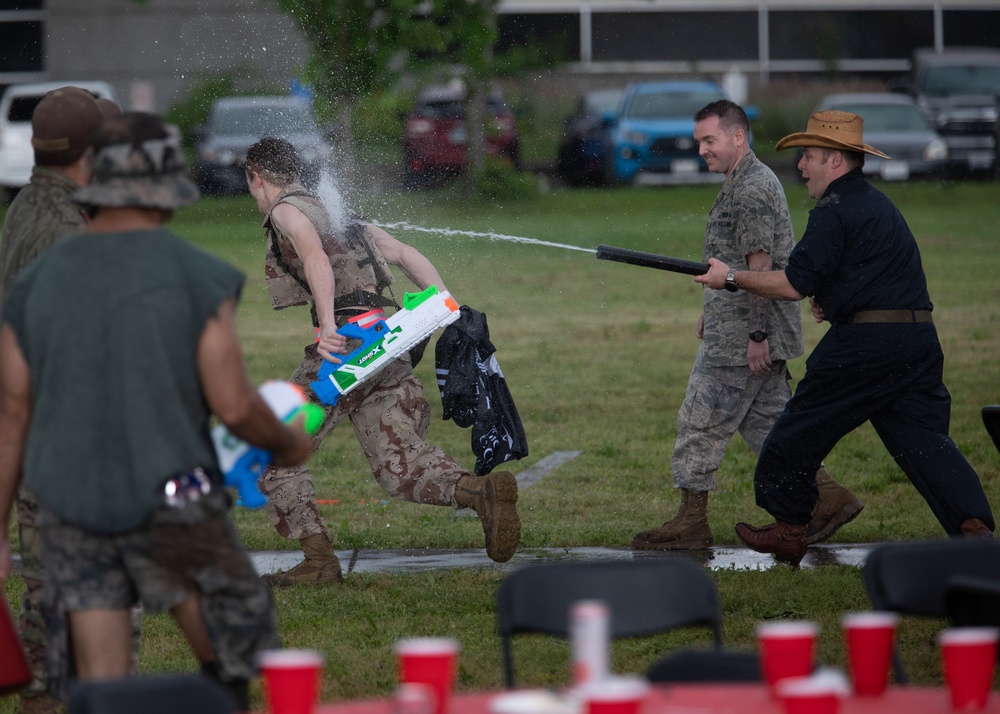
880 361
116 346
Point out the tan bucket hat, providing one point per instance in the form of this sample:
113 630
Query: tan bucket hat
832 130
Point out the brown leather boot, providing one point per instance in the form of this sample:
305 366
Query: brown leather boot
688 530
494 499
320 567
783 540
975 528
836 506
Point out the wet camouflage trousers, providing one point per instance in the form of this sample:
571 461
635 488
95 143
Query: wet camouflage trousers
390 416
721 401
191 551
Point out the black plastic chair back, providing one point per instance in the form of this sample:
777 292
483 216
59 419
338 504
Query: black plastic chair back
707 666
173 694
645 597
973 601
912 578
991 420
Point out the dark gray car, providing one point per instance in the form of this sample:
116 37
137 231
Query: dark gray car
236 123
895 125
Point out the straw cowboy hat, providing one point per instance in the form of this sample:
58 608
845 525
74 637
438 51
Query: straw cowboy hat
832 130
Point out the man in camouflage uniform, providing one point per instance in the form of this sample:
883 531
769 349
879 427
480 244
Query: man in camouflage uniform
740 381
62 126
341 270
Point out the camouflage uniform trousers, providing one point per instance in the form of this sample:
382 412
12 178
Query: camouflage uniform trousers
390 416
182 552
33 620
721 401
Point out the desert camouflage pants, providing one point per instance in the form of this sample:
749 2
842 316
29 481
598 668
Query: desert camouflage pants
721 401
390 416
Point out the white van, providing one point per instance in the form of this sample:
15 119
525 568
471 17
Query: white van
16 107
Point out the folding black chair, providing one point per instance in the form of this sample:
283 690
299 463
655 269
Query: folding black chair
645 597
171 694
913 578
972 601
707 666
991 420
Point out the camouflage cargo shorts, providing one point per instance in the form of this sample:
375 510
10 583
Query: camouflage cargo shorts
720 402
182 552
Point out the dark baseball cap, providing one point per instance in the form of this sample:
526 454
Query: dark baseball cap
63 125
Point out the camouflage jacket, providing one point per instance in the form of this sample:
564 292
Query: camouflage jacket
749 215
355 264
41 213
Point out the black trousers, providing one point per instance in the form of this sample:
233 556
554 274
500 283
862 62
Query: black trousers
887 374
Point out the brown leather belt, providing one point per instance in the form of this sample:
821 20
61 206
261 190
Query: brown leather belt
867 316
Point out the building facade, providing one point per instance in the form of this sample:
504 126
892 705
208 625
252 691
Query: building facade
154 52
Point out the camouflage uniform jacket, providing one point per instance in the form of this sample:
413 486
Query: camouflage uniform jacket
749 215
353 262
42 213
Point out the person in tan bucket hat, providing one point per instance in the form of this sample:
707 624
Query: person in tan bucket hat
112 436
880 361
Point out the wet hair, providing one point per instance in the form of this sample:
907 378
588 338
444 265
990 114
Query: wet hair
276 160
731 115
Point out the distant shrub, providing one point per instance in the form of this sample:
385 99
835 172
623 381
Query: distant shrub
499 180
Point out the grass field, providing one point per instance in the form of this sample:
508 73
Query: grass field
597 356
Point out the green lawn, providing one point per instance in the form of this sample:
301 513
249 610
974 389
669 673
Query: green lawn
597 356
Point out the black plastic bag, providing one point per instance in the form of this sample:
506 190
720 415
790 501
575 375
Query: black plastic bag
474 392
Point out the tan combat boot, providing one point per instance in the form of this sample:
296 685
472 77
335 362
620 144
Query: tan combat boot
319 568
494 499
688 530
836 506
783 540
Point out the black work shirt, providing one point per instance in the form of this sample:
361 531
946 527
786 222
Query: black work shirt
858 253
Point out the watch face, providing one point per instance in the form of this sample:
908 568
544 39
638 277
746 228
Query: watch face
758 336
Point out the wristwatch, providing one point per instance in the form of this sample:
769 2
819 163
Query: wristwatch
758 335
731 285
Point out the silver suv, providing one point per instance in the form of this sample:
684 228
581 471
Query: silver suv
237 123
16 107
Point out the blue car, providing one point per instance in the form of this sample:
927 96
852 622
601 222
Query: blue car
653 134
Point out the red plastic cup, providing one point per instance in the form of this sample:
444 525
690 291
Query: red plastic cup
787 649
15 673
869 637
431 661
968 656
614 695
811 695
291 680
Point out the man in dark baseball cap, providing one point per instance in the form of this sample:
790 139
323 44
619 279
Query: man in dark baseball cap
63 125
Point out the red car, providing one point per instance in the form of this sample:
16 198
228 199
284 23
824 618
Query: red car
435 136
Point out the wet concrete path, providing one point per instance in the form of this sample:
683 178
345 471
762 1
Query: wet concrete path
419 560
